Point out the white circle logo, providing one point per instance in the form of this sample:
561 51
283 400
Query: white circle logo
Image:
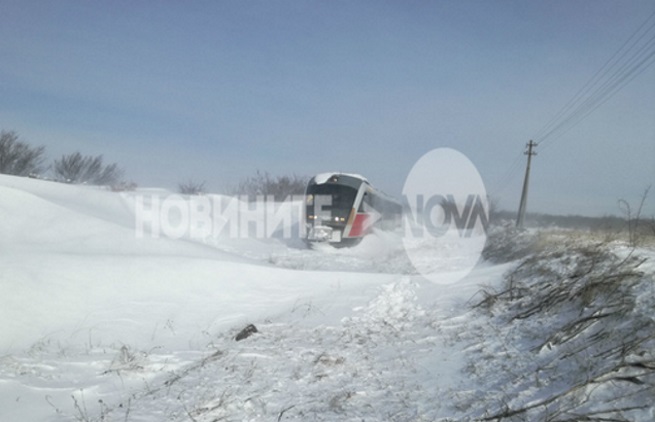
446 215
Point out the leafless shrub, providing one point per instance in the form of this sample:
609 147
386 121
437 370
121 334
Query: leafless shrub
261 184
506 243
76 168
585 343
123 186
127 360
82 414
18 158
191 188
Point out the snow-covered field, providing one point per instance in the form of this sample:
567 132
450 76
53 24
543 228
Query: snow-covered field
99 324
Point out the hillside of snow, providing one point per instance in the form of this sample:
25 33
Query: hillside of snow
101 324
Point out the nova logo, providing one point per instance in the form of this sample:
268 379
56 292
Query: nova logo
438 213
446 215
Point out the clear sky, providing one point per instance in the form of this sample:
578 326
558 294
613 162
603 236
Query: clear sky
215 90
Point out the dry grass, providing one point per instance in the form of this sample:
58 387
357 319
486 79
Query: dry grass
576 316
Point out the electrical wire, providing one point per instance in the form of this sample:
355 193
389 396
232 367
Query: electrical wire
587 86
634 56
503 181
628 62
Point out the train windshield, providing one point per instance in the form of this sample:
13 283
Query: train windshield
342 198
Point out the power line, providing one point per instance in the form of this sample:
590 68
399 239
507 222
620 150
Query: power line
587 86
634 56
503 181
604 93
630 60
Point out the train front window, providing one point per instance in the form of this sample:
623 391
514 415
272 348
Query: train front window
341 198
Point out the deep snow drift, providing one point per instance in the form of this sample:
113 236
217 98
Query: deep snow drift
103 325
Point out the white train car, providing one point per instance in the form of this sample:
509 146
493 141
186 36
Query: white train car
341 208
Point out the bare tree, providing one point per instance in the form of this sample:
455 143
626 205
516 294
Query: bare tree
17 157
264 184
76 168
191 188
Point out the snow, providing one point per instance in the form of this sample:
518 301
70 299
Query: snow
103 325
324 177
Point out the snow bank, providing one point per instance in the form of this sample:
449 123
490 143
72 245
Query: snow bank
103 325
76 275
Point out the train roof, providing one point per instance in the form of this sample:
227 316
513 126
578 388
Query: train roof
321 178
355 181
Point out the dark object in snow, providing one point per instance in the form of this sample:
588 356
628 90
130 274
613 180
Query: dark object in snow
246 332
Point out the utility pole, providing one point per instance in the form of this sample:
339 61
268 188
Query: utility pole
524 193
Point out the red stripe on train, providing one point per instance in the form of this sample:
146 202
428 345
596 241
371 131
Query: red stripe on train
357 229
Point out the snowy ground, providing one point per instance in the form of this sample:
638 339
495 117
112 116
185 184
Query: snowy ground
102 326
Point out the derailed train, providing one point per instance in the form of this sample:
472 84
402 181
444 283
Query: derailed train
341 208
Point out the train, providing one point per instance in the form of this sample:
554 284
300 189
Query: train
342 208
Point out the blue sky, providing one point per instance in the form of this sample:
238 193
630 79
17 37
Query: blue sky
216 90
